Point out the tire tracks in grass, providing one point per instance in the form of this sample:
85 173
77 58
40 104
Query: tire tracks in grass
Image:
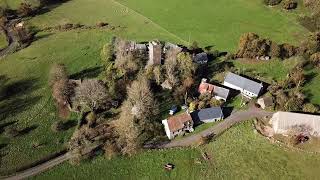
154 23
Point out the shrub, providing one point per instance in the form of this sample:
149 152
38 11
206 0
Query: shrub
290 4
272 2
101 24
25 9
91 119
215 103
315 59
310 108
11 132
57 126
275 50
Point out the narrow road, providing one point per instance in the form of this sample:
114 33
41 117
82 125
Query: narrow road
233 119
38 169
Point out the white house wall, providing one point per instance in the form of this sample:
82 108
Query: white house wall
167 130
243 91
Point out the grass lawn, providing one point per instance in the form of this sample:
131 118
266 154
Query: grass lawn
312 86
219 22
239 153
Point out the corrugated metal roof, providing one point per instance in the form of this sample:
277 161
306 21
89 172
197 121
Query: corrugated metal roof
243 83
284 121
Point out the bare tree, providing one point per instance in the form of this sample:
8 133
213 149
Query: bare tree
137 116
91 95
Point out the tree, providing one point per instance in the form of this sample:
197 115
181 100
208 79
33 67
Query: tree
297 76
91 95
186 65
137 118
157 74
59 82
171 67
310 108
144 107
57 72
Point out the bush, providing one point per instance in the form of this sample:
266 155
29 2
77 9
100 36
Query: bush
290 4
11 132
315 59
101 24
272 2
310 108
25 9
57 126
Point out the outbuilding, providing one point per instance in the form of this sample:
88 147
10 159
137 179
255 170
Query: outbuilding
247 87
208 115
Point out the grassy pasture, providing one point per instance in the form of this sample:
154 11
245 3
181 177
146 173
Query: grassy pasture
238 153
219 22
29 102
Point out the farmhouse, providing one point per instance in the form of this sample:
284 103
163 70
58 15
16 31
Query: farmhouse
155 53
201 58
177 125
219 93
208 115
246 86
284 122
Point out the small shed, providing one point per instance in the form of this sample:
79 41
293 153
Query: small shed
207 115
265 102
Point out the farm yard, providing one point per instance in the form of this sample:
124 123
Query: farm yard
26 101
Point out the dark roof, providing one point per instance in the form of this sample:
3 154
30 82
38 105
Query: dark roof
207 114
201 57
221 92
244 83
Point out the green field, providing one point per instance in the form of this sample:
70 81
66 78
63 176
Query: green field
218 22
210 22
237 154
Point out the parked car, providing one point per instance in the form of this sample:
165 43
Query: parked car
173 110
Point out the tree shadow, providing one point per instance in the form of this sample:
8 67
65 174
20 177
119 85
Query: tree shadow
3 146
27 130
15 97
310 76
4 125
18 88
69 124
92 72
42 36
50 5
